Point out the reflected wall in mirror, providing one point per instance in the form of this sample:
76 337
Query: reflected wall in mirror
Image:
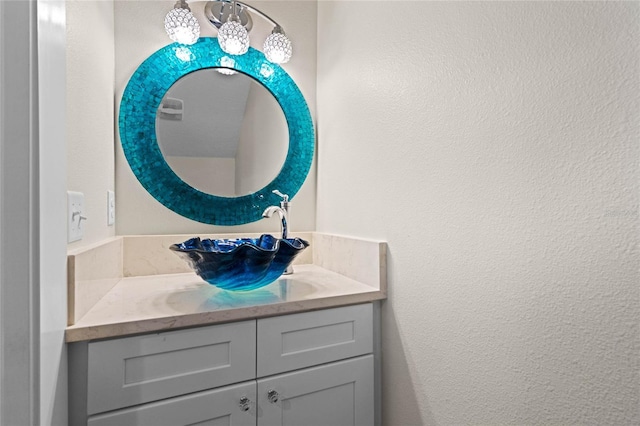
143 97
222 132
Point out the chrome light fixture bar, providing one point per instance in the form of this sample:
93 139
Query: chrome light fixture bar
234 22
218 12
277 47
233 37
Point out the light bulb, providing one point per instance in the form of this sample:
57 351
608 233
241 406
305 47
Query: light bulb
182 26
233 38
277 48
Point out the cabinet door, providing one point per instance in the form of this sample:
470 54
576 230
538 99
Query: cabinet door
337 394
211 408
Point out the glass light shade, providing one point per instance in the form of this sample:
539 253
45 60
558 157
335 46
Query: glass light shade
233 38
277 48
182 26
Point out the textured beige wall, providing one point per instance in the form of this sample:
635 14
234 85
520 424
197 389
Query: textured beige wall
494 145
139 32
90 111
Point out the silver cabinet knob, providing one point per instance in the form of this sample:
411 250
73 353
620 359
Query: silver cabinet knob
244 403
272 396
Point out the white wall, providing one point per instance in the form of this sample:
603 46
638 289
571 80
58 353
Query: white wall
90 108
53 209
494 145
19 216
139 32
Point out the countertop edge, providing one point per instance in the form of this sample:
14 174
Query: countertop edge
129 328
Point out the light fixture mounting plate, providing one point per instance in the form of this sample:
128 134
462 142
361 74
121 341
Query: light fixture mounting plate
217 12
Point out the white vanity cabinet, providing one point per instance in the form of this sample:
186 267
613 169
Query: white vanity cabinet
310 368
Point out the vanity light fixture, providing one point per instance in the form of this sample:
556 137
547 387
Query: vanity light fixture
234 22
277 47
233 37
180 24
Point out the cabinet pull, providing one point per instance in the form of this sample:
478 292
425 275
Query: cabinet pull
272 396
244 403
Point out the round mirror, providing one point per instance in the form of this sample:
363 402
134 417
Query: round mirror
143 99
222 132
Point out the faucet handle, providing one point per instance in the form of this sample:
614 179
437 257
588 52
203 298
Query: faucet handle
284 204
285 197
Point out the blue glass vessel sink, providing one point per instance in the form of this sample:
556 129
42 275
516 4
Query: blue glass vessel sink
240 264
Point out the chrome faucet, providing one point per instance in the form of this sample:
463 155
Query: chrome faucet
269 211
283 211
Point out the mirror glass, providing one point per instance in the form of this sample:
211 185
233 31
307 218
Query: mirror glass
222 132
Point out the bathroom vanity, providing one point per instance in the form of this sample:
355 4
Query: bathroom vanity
168 349
150 343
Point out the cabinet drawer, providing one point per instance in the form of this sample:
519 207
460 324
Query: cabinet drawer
136 370
296 341
210 408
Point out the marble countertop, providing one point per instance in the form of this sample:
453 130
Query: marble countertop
135 284
163 302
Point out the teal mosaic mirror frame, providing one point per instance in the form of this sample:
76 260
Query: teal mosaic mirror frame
137 121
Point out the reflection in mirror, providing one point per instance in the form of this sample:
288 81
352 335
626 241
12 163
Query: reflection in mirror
223 134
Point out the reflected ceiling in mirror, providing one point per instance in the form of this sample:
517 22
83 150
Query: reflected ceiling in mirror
139 106
222 133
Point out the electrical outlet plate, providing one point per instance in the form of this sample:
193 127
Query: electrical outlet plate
111 208
75 216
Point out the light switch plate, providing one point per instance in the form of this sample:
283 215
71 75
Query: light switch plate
111 208
75 216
